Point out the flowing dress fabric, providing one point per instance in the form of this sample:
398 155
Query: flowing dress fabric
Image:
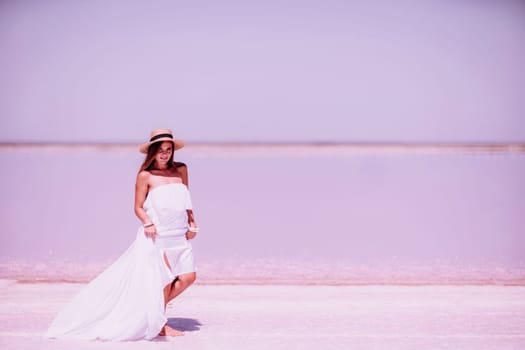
126 301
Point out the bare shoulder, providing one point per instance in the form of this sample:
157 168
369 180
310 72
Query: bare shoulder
143 176
180 166
182 169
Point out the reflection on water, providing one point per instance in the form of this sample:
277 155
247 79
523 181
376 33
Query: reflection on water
279 213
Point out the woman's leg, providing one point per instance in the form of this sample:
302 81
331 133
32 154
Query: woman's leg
168 287
167 330
170 292
180 284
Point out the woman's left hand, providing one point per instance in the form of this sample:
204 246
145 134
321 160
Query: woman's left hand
192 232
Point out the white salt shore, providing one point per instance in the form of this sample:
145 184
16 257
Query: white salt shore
295 317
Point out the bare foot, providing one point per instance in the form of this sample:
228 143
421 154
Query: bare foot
170 332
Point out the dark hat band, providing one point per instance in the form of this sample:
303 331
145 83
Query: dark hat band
159 136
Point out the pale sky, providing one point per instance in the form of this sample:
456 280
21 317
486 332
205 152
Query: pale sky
263 71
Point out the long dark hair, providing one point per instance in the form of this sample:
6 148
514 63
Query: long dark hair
149 161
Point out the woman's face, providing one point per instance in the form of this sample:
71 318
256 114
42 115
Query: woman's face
164 153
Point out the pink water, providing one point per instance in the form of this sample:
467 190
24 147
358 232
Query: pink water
309 215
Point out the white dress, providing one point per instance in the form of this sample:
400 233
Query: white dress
126 301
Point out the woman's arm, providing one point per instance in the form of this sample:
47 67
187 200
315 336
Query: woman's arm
183 171
192 231
141 191
191 218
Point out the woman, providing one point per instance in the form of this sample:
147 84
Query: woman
128 300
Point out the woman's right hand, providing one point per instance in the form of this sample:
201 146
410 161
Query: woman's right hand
150 231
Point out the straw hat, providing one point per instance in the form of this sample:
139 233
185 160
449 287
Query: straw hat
160 135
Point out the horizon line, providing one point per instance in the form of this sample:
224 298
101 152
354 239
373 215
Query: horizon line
272 143
319 146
